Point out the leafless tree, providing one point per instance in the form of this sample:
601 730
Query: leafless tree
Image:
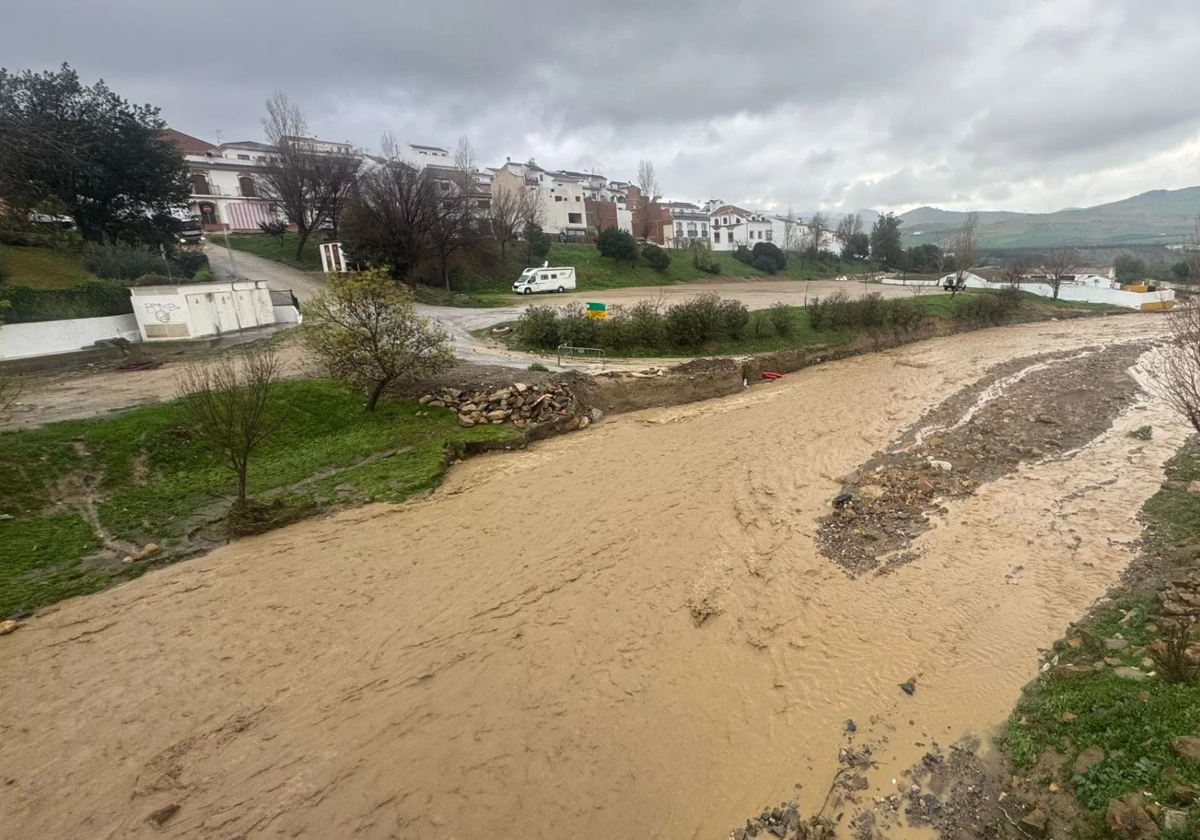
505 214
231 406
966 246
850 226
391 214
1059 263
647 181
1177 367
815 237
308 185
1015 270
530 209
365 330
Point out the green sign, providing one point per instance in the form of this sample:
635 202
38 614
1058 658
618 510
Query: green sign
597 310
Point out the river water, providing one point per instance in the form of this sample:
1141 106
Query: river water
626 632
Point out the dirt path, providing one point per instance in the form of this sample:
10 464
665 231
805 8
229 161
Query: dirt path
626 632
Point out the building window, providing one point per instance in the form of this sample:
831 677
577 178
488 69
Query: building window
768 236
577 198
558 198
574 218
243 157
246 185
716 236
200 184
724 220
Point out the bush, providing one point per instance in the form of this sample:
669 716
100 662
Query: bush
703 259
538 243
538 327
576 328
734 318
188 263
656 257
87 300
743 255
989 308
905 314
118 261
538 367
276 228
616 244
768 258
695 322
780 316
644 324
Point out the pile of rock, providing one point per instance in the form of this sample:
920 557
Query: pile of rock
1182 597
524 405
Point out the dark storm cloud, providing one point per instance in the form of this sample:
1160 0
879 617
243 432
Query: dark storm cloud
847 104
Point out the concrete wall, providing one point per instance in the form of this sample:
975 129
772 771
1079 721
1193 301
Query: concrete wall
200 310
18 341
1080 293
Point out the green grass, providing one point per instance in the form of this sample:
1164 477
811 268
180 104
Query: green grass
153 481
268 247
1133 722
42 268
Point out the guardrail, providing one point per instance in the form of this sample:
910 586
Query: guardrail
571 350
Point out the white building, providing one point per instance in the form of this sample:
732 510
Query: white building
733 226
226 193
688 224
561 195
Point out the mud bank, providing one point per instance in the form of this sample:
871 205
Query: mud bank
518 655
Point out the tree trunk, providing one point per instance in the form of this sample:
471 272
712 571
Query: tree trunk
303 233
376 393
445 271
241 475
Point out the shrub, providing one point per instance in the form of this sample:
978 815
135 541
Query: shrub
989 308
538 327
644 324
575 327
87 300
703 259
743 255
780 316
538 367
188 263
905 314
734 318
656 257
616 244
537 242
768 258
118 261
277 228
694 322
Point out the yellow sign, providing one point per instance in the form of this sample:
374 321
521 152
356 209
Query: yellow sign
597 311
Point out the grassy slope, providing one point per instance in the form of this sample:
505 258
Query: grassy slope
152 479
42 268
1133 722
269 248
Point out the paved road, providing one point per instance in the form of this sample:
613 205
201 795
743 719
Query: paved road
756 294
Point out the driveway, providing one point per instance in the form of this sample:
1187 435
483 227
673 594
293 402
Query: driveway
226 263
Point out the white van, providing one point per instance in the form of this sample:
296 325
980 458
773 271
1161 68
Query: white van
545 279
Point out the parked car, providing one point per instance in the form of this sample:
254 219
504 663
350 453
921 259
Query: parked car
545 279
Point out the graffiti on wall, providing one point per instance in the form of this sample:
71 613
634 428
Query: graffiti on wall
161 311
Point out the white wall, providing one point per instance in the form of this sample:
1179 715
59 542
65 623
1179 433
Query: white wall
625 220
44 338
1080 293
200 310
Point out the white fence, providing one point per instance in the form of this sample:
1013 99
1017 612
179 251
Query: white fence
43 338
1086 292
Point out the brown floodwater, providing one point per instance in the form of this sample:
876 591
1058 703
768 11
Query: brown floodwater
522 655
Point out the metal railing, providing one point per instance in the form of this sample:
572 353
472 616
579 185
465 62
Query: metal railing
571 350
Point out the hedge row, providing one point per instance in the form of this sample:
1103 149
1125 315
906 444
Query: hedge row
87 300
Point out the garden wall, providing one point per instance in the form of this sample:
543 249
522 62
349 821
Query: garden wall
19 341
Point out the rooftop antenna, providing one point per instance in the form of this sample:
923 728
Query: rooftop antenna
218 137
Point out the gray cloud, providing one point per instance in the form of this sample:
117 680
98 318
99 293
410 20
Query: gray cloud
1016 104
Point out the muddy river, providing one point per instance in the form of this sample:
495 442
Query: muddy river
626 632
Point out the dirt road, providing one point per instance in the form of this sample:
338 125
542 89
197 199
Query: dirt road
626 632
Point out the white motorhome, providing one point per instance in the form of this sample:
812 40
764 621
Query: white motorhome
545 279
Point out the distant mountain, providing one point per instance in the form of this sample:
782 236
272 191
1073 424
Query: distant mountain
1159 217
935 216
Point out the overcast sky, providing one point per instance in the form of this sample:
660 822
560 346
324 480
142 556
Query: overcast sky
842 104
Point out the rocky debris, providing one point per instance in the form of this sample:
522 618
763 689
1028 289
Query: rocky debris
785 822
1182 596
970 440
8 626
1183 795
149 550
521 403
1126 672
1033 823
1173 820
162 815
1187 746
1116 644
1128 820
909 687
1088 759
1070 672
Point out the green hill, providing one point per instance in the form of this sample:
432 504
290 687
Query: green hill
1159 217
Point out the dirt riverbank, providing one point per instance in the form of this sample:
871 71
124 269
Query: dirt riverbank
628 631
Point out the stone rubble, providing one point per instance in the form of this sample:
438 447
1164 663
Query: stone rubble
521 404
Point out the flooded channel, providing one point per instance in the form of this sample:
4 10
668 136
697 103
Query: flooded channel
627 632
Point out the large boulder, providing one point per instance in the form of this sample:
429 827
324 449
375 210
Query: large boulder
1128 820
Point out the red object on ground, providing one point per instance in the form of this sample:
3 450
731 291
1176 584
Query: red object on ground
770 374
